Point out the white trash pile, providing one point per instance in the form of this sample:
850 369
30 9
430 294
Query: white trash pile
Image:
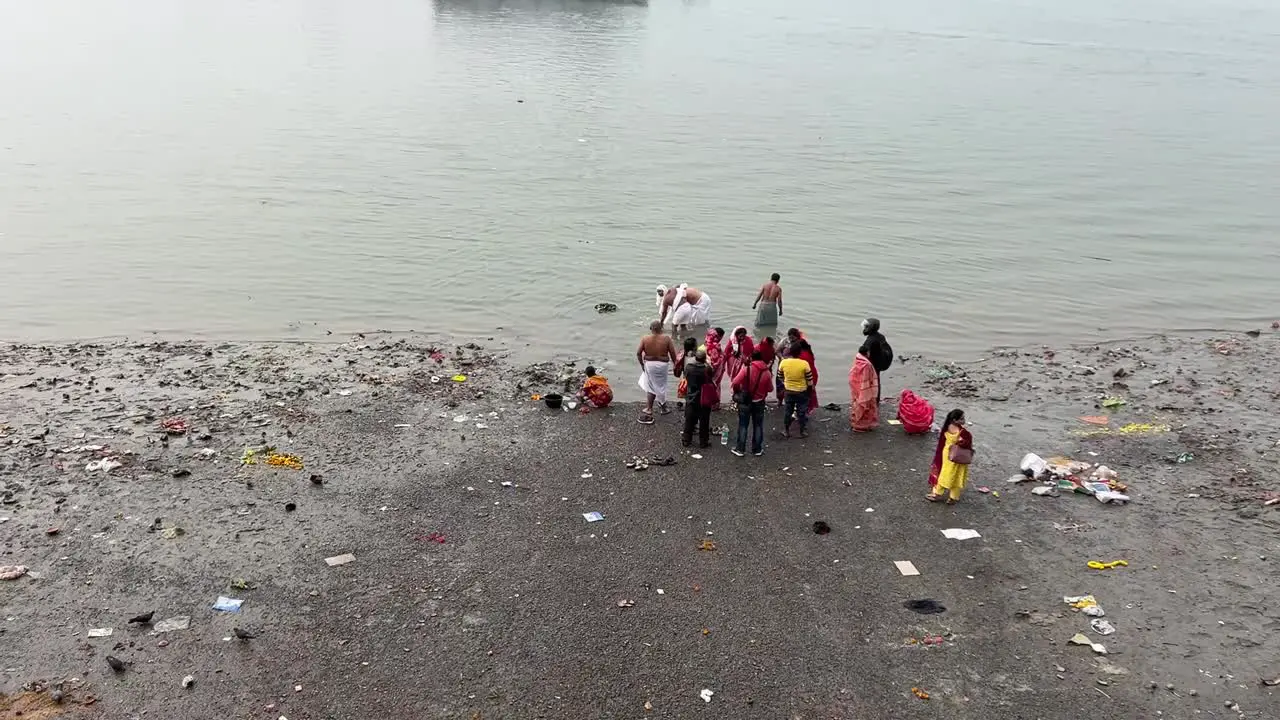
1064 475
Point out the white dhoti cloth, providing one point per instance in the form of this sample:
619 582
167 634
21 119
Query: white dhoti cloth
654 379
699 314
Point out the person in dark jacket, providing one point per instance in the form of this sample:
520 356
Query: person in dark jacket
876 348
697 414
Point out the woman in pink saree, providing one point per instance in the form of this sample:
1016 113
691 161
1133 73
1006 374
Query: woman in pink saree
864 391
715 358
738 352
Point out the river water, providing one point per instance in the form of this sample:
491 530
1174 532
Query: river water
975 174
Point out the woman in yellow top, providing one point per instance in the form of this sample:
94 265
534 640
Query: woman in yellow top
950 469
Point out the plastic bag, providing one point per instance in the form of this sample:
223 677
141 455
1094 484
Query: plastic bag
1033 465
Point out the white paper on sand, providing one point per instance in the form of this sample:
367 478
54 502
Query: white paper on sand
906 567
960 534
337 560
1082 639
178 622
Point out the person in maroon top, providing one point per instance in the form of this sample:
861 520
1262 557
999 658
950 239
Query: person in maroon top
751 388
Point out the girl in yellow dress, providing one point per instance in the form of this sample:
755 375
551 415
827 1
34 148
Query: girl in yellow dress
950 469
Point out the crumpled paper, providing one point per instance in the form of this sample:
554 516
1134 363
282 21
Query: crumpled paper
1085 604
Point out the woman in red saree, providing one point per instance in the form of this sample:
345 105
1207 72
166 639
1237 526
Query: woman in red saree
768 351
738 352
806 354
915 413
864 391
715 358
596 390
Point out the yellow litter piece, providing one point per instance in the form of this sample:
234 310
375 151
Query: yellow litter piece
284 460
1142 429
1099 565
459 378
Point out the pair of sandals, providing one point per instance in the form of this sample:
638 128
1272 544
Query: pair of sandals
646 418
935 498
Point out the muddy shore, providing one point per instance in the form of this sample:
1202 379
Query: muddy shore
139 477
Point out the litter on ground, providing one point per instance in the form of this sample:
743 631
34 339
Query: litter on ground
960 534
1082 639
292 462
105 465
906 567
1085 604
927 606
178 622
1102 627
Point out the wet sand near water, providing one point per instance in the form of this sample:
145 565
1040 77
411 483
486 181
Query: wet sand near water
478 589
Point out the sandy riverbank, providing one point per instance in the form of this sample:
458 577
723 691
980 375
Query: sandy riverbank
516 613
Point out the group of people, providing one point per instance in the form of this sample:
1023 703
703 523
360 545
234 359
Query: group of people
748 363
760 369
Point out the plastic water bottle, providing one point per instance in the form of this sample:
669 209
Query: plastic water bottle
724 435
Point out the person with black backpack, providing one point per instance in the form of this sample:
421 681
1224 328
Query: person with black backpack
876 348
751 388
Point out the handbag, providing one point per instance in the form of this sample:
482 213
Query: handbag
960 455
709 393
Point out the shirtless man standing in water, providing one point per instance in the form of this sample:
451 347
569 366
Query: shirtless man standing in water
768 304
656 354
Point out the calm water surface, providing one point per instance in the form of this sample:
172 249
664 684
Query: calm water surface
977 173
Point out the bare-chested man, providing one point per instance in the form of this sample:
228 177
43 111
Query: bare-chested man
656 354
684 306
768 304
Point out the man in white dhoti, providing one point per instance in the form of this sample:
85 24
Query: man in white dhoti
656 354
685 306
